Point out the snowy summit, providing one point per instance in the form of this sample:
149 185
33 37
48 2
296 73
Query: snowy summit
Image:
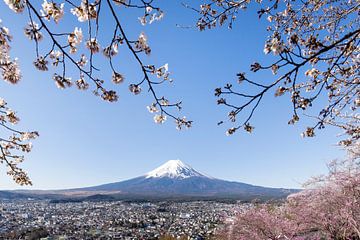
174 169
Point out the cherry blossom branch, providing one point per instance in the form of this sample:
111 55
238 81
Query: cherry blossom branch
65 51
91 11
329 63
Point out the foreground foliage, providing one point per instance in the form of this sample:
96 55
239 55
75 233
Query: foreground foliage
315 55
329 209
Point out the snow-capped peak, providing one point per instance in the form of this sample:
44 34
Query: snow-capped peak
174 169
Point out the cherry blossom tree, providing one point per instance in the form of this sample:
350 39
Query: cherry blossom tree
329 208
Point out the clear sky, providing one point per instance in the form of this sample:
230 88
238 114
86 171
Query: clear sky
85 141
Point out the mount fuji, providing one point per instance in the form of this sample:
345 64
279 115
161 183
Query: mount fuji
175 179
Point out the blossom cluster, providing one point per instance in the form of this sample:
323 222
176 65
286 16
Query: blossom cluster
85 11
218 12
151 15
10 71
52 10
16 5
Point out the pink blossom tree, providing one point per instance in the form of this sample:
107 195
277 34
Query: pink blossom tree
328 209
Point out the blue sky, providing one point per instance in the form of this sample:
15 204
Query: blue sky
85 141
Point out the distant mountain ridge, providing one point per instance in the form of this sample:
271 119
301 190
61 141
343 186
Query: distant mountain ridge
173 179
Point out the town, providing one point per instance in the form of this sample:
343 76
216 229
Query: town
40 219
